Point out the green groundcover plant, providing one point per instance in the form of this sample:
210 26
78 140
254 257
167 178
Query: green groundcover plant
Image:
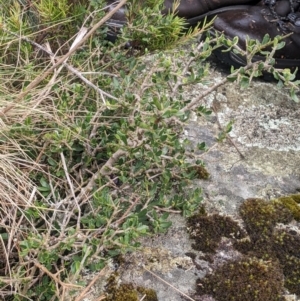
91 154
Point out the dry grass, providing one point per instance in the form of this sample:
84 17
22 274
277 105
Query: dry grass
18 189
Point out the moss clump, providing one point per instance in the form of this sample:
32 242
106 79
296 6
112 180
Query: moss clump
150 294
261 248
260 217
286 244
207 231
281 245
291 203
200 171
295 197
271 257
291 270
202 210
244 279
127 291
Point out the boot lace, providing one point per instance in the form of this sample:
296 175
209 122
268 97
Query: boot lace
292 16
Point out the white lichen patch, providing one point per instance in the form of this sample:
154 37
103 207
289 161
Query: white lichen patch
264 126
293 227
157 260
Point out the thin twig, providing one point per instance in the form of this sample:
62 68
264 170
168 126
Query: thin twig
108 166
105 170
53 276
72 188
187 66
6 255
167 210
167 283
196 101
127 212
226 135
86 289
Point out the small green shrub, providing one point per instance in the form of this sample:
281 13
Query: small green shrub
92 156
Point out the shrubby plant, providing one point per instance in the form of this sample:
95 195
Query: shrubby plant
91 155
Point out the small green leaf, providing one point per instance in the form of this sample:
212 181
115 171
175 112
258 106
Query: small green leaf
75 267
201 146
294 96
266 39
280 45
44 183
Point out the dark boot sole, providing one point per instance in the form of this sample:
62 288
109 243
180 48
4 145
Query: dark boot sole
213 13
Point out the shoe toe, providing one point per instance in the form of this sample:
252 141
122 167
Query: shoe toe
255 23
242 24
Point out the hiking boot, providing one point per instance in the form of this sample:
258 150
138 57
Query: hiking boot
273 17
193 11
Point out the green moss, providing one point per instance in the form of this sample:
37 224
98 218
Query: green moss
200 171
281 245
269 254
291 270
202 210
207 230
260 217
127 291
286 244
291 203
295 197
147 294
246 279
261 248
